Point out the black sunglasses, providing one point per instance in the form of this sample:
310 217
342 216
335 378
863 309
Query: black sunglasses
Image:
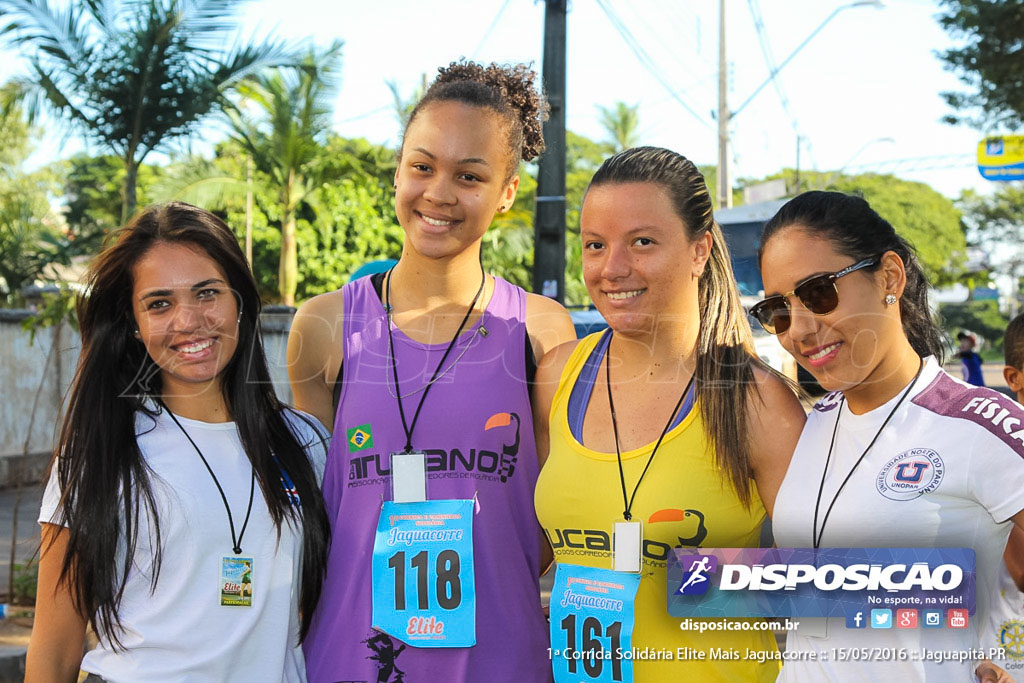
818 294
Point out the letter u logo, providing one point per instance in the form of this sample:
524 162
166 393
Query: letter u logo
915 476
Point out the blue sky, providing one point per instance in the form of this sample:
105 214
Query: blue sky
863 93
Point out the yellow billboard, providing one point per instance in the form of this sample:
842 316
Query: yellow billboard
1002 157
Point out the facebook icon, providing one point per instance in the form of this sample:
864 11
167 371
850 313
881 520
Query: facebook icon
856 620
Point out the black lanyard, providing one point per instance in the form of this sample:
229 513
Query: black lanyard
628 502
815 533
433 378
236 543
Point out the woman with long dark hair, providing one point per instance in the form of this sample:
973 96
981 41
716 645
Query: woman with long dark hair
183 518
430 364
899 453
667 426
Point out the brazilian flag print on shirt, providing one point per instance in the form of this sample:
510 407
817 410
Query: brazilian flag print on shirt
360 438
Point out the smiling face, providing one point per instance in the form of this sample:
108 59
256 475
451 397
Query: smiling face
638 263
187 316
847 347
452 178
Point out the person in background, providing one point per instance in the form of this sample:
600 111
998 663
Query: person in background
970 361
1005 626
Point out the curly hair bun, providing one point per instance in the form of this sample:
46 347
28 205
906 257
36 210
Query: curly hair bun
509 90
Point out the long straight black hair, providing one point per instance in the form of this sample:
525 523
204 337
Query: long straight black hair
104 480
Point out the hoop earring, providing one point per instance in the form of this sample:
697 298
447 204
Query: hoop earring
890 299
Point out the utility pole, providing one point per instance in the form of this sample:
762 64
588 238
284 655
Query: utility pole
724 180
549 225
725 116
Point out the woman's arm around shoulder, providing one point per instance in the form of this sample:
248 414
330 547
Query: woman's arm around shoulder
547 323
775 419
549 372
58 634
315 351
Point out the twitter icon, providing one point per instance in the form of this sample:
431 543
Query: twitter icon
881 618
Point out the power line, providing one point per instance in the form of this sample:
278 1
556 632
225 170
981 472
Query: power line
925 163
755 12
646 61
773 70
490 29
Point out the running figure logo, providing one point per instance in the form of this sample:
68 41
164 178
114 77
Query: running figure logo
385 655
695 577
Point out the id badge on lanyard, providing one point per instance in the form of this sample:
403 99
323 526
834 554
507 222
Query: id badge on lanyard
592 615
424 590
236 581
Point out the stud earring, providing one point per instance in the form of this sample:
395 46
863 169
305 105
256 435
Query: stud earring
890 299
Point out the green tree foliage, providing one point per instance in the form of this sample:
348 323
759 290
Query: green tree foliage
30 231
996 223
982 317
285 138
355 223
989 61
927 219
15 131
710 173
132 74
621 123
405 104
93 194
342 222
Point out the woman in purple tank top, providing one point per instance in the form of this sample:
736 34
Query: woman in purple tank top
434 358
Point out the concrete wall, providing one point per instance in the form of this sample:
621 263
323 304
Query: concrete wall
39 374
33 375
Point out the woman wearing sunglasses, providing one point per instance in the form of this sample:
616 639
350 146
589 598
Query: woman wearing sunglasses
899 454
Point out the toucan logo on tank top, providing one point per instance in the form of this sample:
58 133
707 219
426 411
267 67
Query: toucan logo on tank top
689 530
464 463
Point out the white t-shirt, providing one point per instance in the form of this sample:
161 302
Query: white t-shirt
179 631
947 471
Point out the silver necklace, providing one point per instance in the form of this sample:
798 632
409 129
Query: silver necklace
479 332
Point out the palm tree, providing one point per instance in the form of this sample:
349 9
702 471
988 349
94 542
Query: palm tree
621 123
405 105
132 74
285 139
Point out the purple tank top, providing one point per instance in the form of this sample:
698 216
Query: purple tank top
477 431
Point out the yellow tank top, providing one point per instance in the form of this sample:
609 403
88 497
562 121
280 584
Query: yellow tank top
683 501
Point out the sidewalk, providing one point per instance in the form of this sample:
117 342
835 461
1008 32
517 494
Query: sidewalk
17 627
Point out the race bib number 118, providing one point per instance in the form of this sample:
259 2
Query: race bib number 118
423 588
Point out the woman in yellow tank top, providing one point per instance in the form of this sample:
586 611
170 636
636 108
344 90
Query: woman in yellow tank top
668 418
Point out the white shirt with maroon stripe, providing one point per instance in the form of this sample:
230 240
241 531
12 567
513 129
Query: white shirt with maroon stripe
947 471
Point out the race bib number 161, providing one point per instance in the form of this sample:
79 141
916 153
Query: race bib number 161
592 624
423 588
